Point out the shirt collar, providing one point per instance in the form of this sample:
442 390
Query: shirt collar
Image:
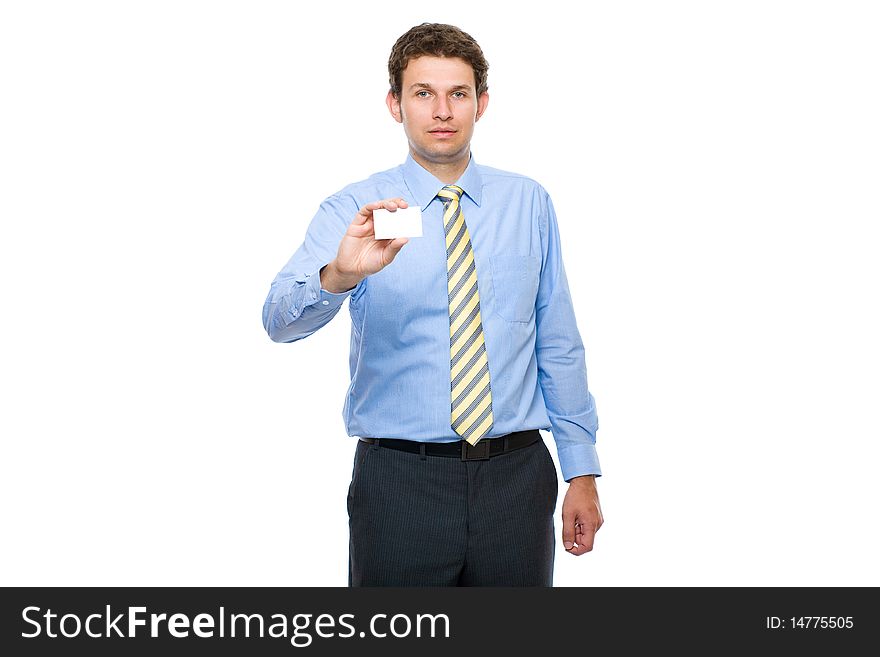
424 185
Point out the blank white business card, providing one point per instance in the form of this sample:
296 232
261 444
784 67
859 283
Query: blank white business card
403 222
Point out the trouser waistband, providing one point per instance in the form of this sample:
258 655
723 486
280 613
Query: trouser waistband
486 448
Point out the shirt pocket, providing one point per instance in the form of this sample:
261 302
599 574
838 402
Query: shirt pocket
515 283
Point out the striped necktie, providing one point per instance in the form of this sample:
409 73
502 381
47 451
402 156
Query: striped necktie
471 392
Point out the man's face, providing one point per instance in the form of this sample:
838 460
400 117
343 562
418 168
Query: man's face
438 107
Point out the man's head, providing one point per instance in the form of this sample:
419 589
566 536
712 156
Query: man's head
438 79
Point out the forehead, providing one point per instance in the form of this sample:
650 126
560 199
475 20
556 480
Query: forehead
438 71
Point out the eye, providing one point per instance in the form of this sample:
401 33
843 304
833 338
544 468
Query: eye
462 94
421 92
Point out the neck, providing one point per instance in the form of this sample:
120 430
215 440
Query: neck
445 172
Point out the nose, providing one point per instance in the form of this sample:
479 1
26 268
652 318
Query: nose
442 110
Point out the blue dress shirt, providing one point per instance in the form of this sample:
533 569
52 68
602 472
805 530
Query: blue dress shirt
400 361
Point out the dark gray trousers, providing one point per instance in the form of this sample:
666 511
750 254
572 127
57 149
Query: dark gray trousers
436 521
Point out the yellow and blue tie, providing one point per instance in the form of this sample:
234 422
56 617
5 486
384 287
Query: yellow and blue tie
471 391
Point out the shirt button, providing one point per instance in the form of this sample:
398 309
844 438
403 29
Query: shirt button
325 302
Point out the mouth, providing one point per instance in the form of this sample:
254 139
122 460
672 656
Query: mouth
442 133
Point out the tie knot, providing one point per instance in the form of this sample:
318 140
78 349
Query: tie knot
450 192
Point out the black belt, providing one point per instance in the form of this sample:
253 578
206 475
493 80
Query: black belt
486 448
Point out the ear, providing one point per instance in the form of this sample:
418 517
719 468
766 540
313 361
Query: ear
393 106
482 104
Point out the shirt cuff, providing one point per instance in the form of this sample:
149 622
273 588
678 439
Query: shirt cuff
577 460
316 295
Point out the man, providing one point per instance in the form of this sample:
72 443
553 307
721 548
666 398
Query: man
463 345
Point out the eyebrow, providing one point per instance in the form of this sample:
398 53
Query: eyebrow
425 85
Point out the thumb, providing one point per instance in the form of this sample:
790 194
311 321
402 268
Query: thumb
394 247
568 530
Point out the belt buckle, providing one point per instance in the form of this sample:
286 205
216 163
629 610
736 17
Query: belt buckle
478 452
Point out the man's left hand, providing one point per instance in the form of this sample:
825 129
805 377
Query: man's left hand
581 515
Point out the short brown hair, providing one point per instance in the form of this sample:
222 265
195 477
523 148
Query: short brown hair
438 40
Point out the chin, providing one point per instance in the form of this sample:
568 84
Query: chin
454 152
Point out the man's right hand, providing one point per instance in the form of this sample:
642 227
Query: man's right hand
360 253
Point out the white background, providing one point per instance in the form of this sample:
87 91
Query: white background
714 167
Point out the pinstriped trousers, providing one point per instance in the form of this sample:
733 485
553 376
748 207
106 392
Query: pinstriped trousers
439 521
